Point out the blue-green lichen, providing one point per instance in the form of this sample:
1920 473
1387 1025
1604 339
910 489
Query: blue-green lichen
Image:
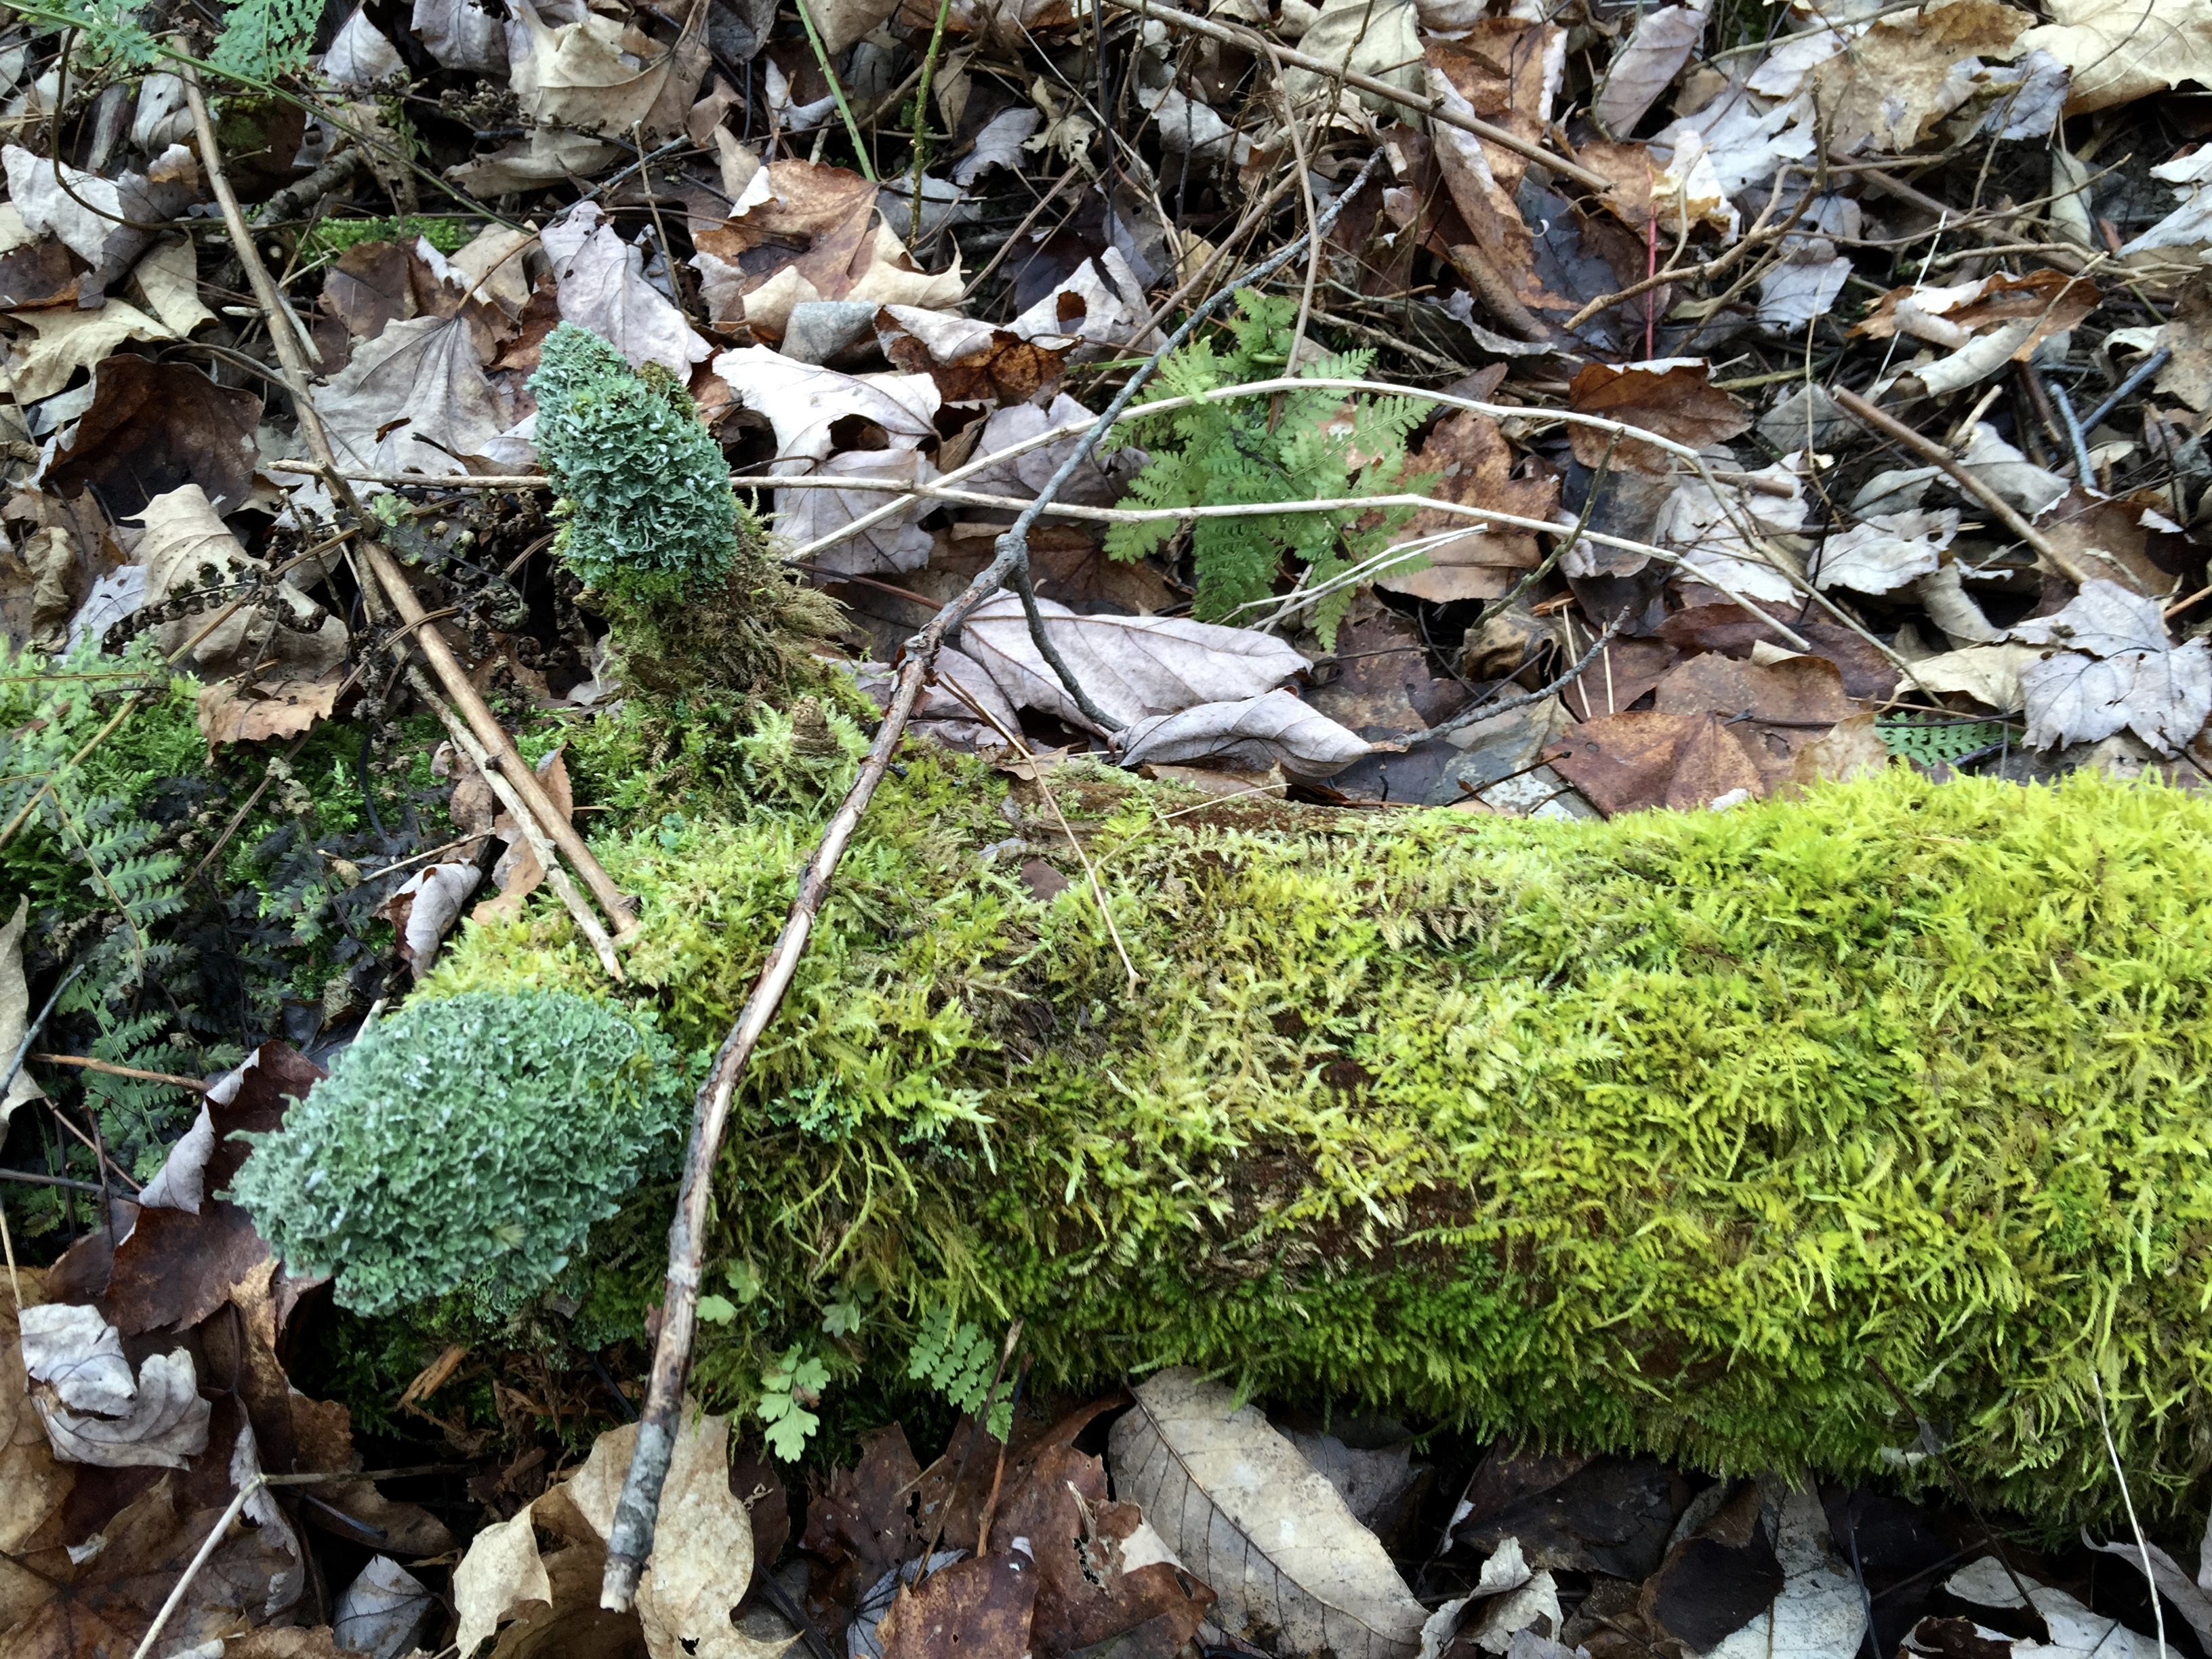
465 1142
651 516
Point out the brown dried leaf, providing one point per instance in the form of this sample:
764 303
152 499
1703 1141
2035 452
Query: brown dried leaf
1474 466
1672 397
1893 83
230 713
973 1609
155 427
1629 762
39 273
1730 628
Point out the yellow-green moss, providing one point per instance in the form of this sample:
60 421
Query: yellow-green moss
1662 1132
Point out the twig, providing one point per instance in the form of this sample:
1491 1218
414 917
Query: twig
109 1067
31 1031
1251 40
2085 469
921 123
1305 198
207 1549
386 571
29 1180
540 844
2142 1548
630 1542
1477 715
2141 371
1929 450
1712 267
294 199
837 90
630 1539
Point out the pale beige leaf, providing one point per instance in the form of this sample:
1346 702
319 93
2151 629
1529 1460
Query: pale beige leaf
1885 552
491 266
2122 50
460 34
1381 38
1272 729
379 1613
802 401
420 379
1820 1612
1988 673
2189 224
500 1573
15 1009
1251 1517
703 1551
64 340
1133 668
603 288
185 541
168 276
1646 64
895 544
2076 1632
90 215
360 56
94 1411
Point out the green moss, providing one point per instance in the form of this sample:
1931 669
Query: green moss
1660 1132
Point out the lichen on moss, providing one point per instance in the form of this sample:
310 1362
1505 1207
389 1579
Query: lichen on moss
1660 1132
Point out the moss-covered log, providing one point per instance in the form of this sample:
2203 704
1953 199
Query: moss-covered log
1663 1133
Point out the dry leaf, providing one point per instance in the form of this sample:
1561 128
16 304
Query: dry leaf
169 275
415 398
154 427
65 340
460 34
998 145
94 1410
1885 552
16 1010
1381 38
602 287
1820 1612
90 214
501 1571
1988 673
1672 397
2120 673
895 544
1246 1513
229 713
2120 53
1273 729
186 539
1645 64
422 910
518 874
1133 668
2010 473
1894 82
1474 466
1630 761
360 56
491 265
2189 224
379 1614
803 401
1729 535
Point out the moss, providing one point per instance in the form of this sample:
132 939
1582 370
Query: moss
1661 1133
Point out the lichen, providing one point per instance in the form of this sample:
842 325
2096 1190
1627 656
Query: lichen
1663 1133
651 511
465 1142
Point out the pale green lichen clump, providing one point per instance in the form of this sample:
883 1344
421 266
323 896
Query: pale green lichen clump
464 1142
1660 1132
652 516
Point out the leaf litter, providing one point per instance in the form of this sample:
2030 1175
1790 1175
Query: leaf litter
1631 266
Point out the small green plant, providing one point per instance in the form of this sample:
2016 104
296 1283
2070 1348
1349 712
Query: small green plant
263 39
326 238
651 513
1303 446
961 1363
469 1141
787 1389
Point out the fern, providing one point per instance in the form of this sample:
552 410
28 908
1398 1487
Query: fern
959 1362
264 39
1304 446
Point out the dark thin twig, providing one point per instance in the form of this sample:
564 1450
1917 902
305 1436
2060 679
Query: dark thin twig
1932 1443
1013 546
2141 371
1478 715
30 1180
2085 469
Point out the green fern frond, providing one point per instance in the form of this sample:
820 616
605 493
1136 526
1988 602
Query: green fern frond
264 40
